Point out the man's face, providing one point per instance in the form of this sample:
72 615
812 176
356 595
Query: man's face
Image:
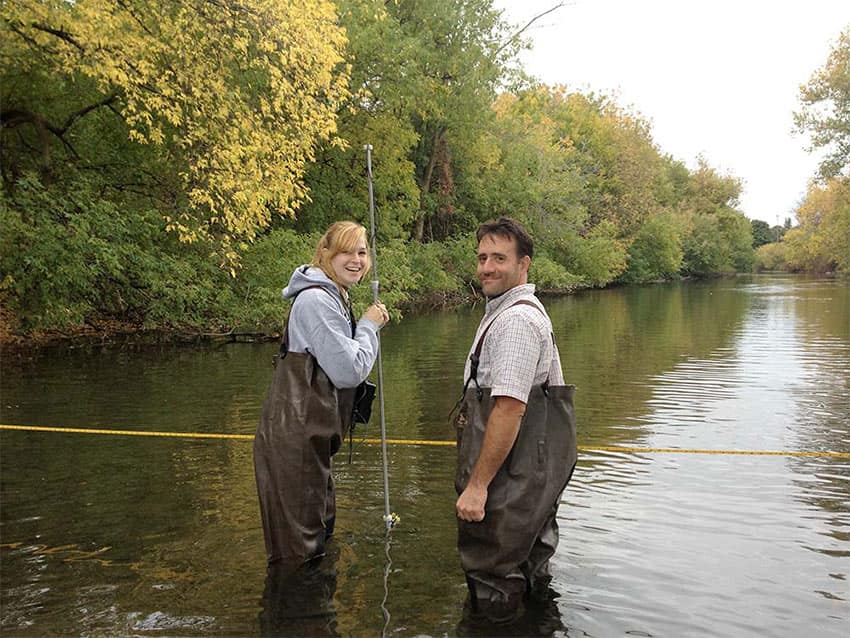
499 268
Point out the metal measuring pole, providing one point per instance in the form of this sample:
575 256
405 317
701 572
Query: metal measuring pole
389 519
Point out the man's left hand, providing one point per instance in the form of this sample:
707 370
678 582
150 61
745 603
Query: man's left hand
470 504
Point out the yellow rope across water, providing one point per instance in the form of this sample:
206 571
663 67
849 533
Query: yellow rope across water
585 448
178 435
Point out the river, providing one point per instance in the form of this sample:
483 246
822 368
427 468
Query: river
121 535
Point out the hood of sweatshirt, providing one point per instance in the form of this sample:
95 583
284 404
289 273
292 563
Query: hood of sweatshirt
306 276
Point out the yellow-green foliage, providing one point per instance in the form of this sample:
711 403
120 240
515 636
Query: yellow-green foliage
771 257
821 240
235 94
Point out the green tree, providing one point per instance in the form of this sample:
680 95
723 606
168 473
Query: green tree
762 233
386 88
825 111
460 49
423 77
718 238
581 173
704 250
718 243
636 173
597 257
530 172
67 259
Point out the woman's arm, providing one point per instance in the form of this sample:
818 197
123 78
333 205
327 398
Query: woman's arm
326 332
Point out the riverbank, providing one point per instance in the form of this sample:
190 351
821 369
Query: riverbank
105 331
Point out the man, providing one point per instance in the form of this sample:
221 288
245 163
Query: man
516 434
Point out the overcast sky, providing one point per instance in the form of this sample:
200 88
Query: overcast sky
718 78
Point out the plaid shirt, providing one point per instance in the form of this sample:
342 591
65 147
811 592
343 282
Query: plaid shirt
518 351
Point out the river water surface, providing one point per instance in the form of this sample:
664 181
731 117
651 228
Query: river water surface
118 535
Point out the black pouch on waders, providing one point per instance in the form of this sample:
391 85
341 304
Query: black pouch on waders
302 426
527 487
364 394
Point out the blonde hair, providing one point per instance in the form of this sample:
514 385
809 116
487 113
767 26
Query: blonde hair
339 238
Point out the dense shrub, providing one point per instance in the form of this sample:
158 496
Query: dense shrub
596 258
656 253
549 275
66 258
771 257
267 265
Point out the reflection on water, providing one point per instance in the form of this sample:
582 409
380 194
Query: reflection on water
540 616
299 601
105 535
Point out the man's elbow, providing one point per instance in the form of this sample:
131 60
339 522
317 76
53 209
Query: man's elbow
510 407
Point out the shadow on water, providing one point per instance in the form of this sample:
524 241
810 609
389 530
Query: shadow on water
299 600
540 617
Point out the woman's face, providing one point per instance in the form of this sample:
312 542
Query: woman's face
350 265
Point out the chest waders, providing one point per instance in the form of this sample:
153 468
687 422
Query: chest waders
303 424
507 554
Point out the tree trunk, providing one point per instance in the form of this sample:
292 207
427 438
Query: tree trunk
425 184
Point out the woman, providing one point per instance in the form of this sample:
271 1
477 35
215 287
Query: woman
308 410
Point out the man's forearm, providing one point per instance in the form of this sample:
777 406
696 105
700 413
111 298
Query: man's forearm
502 430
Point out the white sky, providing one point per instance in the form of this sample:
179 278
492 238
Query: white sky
719 78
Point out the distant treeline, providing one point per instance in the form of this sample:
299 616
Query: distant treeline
167 164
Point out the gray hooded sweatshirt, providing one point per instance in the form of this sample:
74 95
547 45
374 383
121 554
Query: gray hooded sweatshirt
318 324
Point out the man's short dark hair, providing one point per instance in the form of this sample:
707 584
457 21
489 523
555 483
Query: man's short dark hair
507 228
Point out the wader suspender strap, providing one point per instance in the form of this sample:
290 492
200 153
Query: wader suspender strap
475 357
351 318
284 342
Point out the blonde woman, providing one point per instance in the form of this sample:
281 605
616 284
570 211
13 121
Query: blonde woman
307 412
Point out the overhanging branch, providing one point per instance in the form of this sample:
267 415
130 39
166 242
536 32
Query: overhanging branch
527 25
59 33
108 101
